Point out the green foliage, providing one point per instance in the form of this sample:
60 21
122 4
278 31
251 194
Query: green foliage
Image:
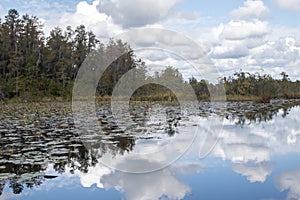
33 67
261 88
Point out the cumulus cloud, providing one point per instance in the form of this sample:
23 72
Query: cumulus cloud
229 49
88 15
249 42
148 186
94 176
141 186
256 54
239 30
290 181
289 4
297 41
237 41
254 173
169 48
244 153
136 13
251 9
276 54
252 43
251 151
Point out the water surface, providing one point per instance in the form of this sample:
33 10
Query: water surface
255 152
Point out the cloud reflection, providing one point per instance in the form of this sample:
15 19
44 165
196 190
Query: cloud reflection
290 181
253 172
250 148
154 185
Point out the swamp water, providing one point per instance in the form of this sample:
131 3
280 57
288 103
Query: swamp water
202 151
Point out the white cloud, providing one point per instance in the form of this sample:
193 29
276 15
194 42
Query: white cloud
94 176
289 4
244 153
297 41
290 181
141 186
186 168
280 53
236 42
272 56
147 186
254 173
249 42
169 48
252 43
134 186
251 9
136 13
88 15
239 30
251 151
230 49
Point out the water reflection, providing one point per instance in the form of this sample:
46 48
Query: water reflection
248 113
32 140
250 148
252 135
290 181
140 186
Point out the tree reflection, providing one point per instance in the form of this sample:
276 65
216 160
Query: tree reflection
24 164
248 113
26 150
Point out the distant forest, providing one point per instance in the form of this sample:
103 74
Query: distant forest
34 67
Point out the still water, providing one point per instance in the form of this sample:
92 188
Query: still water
199 151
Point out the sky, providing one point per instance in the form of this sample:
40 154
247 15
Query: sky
252 35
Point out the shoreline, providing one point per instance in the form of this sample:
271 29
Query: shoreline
107 99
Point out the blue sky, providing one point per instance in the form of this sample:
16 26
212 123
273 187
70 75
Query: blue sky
213 8
252 35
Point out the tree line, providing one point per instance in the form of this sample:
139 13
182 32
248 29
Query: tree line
241 86
34 66
262 86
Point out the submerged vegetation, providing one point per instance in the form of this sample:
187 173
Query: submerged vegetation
34 67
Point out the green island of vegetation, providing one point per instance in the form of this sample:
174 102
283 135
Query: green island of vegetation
34 67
